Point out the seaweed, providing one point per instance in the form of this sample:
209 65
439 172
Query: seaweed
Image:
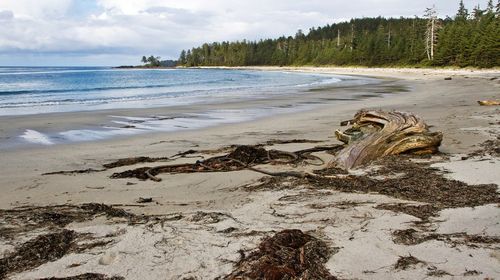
289 254
242 157
489 147
414 237
132 161
407 262
86 276
424 211
15 221
42 249
415 182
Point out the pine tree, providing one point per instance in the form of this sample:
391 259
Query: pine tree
182 57
477 13
462 13
490 7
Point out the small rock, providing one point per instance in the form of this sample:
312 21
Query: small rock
107 258
447 79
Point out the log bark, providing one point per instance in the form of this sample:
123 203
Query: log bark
376 134
489 102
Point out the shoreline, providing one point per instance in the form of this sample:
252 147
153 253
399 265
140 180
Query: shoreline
207 218
52 128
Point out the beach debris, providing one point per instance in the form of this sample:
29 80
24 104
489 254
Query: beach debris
407 262
86 276
70 172
35 252
413 237
489 102
487 148
123 162
448 79
471 273
132 161
416 181
289 254
434 272
19 220
376 134
210 217
144 200
346 123
240 158
423 211
291 141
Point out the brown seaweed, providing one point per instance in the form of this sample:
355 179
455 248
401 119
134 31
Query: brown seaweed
289 254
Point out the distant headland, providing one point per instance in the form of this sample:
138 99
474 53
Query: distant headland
151 62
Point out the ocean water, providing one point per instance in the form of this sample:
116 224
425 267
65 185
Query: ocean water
39 90
35 90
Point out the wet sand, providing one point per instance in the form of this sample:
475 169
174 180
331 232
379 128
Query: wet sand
199 245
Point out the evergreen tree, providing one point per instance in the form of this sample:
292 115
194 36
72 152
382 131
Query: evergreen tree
458 41
462 13
477 13
182 57
490 7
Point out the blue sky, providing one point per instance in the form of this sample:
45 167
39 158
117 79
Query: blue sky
116 32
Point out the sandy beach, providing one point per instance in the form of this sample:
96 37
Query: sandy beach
201 225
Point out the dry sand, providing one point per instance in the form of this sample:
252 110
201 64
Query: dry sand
217 217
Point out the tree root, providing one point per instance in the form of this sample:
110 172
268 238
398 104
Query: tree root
376 134
243 157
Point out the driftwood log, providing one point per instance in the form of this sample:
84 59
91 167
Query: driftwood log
489 102
376 134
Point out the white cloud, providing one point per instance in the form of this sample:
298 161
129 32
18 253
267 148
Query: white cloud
36 8
129 28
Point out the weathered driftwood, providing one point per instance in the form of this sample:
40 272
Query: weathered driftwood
489 102
376 134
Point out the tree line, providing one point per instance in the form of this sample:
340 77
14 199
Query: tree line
467 39
155 61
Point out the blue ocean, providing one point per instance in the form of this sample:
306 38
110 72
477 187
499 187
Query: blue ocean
35 90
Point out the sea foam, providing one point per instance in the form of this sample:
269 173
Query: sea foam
36 137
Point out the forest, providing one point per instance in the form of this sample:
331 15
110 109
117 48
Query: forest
470 38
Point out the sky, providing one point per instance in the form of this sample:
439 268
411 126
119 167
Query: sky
119 32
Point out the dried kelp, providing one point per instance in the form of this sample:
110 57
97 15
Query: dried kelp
35 252
292 141
419 182
414 237
15 221
422 211
86 276
407 262
289 254
415 182
243 157
132 161
123 162
488 148
47 248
